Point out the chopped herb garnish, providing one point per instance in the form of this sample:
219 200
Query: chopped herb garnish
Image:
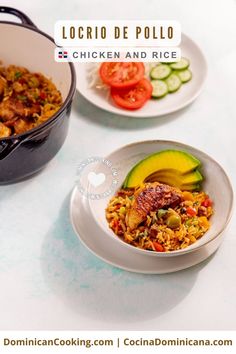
21 97
18 74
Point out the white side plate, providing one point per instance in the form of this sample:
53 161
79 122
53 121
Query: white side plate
153 108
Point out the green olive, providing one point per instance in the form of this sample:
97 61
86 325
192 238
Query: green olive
161 213
122 210
173 221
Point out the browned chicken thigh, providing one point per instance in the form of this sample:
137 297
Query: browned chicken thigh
151 197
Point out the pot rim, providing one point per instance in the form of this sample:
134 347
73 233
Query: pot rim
65 103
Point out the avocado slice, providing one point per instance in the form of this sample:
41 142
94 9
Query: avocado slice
190 182
191 187
173 177
165 161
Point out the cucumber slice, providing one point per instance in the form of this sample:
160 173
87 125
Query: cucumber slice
173 82
160 88
180 65
184 75
160 72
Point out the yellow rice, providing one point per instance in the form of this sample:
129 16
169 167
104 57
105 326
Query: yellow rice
191 228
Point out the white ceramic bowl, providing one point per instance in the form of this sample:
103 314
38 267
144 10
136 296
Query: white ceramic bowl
216 184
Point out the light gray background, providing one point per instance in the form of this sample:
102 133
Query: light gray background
48 279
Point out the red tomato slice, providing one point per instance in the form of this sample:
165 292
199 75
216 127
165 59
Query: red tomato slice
121 75
133 98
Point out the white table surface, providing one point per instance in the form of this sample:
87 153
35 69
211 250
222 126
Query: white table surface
48 279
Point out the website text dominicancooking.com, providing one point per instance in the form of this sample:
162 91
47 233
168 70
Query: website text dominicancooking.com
116 343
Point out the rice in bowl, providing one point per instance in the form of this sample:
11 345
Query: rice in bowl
163 230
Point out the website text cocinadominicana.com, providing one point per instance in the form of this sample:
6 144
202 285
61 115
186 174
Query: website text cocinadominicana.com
118 342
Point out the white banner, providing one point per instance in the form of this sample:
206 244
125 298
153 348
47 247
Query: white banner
167 342
81 54
117 33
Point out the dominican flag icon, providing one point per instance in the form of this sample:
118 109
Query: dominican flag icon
62 55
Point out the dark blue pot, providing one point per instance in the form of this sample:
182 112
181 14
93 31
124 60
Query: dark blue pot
25 154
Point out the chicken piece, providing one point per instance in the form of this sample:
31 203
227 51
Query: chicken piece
13 70
4 131
35 108
11 108
21 126
2 86
151 197
17 87
6 112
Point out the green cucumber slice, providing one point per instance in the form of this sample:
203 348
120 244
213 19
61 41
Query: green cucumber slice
180 65
160 88
160 72
173 82
184 75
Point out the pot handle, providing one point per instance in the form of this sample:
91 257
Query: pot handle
8 146
24 18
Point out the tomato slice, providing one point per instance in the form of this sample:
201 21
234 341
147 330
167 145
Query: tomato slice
133 98
120 74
